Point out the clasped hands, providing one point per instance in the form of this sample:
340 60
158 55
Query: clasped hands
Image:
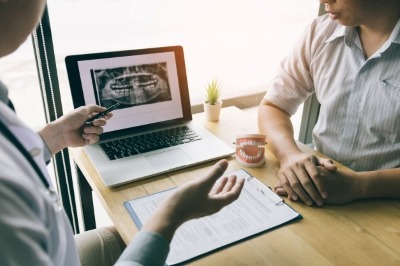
315 180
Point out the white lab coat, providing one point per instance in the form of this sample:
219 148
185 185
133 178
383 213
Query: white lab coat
33 228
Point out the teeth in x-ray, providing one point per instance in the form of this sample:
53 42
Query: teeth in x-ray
143 86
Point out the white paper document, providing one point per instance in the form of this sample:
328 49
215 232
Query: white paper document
256 210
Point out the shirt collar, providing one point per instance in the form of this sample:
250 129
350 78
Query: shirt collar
340 31
350 34
395 36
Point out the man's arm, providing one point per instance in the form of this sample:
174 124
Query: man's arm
276 125
24 236
380 183
345 186
197 198
298 173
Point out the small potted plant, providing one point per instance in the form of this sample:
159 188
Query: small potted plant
212 103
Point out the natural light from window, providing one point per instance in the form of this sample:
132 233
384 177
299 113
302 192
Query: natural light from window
238 42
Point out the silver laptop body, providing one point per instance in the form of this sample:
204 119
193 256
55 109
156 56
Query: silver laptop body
151 87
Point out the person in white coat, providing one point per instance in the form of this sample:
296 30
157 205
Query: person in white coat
34 229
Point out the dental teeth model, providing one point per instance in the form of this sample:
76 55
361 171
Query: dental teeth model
250 149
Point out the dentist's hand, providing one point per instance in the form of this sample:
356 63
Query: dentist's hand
70 130
200 197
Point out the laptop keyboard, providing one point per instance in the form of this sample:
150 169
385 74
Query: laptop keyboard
121 148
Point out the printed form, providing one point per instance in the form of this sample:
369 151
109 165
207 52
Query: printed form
256 210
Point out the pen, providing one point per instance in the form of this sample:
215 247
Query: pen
89 122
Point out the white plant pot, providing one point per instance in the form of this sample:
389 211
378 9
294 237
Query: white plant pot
212 111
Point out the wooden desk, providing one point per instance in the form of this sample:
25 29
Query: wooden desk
361 233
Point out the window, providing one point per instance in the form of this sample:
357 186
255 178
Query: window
19 73
238 42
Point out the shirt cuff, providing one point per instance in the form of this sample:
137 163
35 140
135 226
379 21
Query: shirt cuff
147 248
46 151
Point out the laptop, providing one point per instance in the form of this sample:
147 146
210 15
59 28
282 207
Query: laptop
151 131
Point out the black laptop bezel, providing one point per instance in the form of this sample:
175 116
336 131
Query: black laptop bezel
76 89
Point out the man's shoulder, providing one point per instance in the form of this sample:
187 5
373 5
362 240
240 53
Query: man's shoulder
319 31
323 27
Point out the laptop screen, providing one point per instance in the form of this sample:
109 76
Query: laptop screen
150 85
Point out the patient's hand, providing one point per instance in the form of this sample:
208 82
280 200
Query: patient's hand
342 186
301 180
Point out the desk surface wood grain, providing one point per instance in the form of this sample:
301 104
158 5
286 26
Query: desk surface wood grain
361 233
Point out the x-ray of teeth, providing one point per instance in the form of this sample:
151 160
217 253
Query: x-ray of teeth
133 85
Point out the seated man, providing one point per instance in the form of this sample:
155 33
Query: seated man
350 59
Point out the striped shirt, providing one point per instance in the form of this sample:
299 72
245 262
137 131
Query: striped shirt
359 119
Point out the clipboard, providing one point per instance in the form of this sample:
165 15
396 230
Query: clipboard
258 209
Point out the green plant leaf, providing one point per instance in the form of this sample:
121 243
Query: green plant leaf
213 92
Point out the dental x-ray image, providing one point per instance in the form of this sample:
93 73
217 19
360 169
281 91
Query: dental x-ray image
132 86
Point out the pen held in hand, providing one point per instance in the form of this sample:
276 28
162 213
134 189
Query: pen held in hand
89 122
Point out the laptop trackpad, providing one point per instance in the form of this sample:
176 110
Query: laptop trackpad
168 159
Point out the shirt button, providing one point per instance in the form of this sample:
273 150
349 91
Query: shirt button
35 151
